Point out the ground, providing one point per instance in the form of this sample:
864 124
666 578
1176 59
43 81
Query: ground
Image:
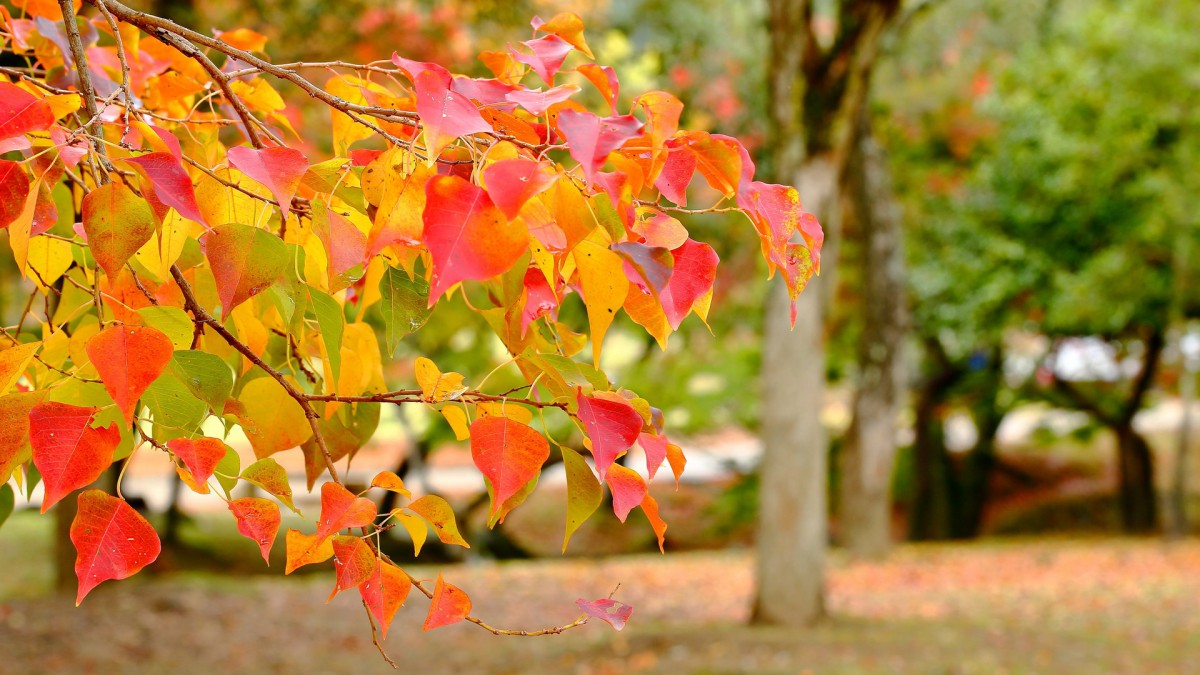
1049 605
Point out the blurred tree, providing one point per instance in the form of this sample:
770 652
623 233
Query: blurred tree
820 61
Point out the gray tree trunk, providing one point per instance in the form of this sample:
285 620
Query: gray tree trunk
869 453
793 506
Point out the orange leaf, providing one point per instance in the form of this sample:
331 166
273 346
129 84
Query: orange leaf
650 507
467 236
388 480
258 520
567 26
128 359
200 456
66 450
354 562
306 549
508 453
14 429
385 592
628 489
449 605
117 223
113 541
341 510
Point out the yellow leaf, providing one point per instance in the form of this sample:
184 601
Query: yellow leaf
510 409
273 420
48 260
457 418
13 362
602 279
164 248
436 385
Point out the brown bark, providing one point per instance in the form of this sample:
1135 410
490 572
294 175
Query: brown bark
869 454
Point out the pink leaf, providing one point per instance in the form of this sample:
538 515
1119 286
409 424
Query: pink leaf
548 55
539 299
612 427
614 613
280 169
537 101
511 182
445 114
628 489
591 138
172 185
655 448
694 274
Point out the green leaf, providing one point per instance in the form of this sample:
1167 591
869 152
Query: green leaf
7 501
172 321
176 411
332 323
206 375
227 470
564 375
583 492
405 305
270 476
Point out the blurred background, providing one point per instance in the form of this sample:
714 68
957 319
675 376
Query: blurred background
975 453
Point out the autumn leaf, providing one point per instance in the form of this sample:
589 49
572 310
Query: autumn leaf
404 305
438 513
270 476
384 593
583 492
508 453
129 359
437 386
614 613
448 606
171 184
604 78
612 427
545 57
387 480
537 101
258 520
590 138
67 450
272 419
650 508
21 112
117 223
280 169
14 190
512 182
306 549
628 489
14 429
569 27
695 270
200 455
112 541
467 235
604 285
446 115
341 510
245 261
13 362
354 563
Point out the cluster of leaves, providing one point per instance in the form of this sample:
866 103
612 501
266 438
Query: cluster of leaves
200 275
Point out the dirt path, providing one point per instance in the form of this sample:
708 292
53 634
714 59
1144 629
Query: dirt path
1100 606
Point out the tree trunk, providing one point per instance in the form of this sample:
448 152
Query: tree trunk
1139 504
793 506
1177 517
929 511
869 454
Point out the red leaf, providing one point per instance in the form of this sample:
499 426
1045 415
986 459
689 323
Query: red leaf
446 115
590 139
548 55
539 299
628 489
655 448
117 223
414 69
14 189
258 520
113 541
607 610
467 236
677 174
280 169
345 244
511 182
245 261
508 453
694 274
384 593
449 605
172 185
612 427
354 562
341 510
128 359
66 450
537 101
650 507
200 456
22 112
605 80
